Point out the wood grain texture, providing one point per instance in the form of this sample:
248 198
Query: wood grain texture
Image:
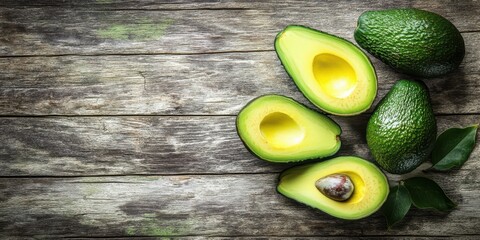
77 146
207 205
97 28
206 84
137 136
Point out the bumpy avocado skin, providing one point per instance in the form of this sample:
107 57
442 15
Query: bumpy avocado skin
402 129
412 41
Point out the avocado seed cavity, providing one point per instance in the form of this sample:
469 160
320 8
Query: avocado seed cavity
338 187
281 130
334 75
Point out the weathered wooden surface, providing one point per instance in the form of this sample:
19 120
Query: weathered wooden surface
206 205
188 84
196 28
137 103
91 146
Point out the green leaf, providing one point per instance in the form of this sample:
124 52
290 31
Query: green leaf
397 205
425 193
453 147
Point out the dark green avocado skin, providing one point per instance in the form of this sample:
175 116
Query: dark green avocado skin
412 41
402 129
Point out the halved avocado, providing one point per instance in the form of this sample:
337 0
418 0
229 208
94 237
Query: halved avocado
331 72
370 186
279 129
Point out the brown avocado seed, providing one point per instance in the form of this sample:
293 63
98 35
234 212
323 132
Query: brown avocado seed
338 187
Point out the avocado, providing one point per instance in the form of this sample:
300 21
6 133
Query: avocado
412 41
279 129
402 129
370 186
335 75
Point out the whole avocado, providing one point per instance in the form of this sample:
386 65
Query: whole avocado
402 129
412 41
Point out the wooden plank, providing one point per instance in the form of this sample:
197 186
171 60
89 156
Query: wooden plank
283 237
81 146
207 205
193 65
188 84
197 28
208 4
167 84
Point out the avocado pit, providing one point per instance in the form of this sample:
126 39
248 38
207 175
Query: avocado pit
338 187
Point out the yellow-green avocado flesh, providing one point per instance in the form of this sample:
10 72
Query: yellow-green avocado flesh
331 72
371 186
279 129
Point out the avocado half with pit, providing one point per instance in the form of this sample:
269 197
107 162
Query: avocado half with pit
370 186
279 129
331 72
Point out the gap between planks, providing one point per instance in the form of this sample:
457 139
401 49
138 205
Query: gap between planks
137 54
136 175
89 8
170 174
127 115
274 236
184 115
